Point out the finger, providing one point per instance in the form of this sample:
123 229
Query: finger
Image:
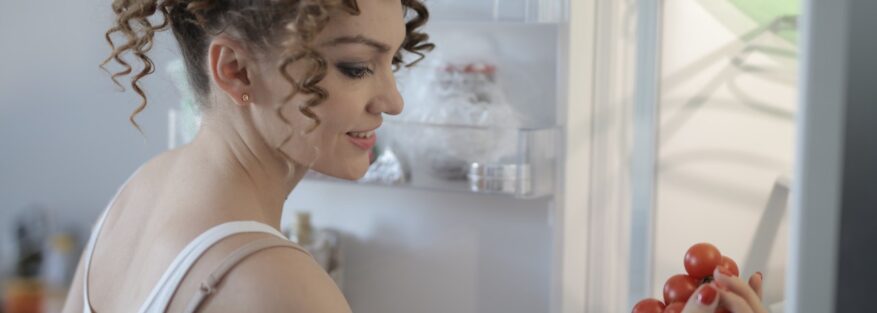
756 281
736 285
704 300
734 303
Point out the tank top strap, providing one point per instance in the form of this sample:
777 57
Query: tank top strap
209 285
167 285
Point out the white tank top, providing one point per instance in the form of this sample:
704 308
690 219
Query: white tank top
160 296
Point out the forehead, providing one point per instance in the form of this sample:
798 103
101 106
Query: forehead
378 19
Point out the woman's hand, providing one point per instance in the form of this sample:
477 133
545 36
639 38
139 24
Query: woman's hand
727 294
704 300
737 296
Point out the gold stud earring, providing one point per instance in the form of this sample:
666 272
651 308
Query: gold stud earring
245 98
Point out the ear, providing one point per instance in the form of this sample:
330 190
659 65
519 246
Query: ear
229 66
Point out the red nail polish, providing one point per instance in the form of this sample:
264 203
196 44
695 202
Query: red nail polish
725 272
707 295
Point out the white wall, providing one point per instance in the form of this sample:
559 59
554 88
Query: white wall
726 134
67 145
65 141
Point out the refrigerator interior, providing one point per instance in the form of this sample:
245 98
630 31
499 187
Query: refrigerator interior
436 246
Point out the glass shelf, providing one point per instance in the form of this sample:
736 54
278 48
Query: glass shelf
503 161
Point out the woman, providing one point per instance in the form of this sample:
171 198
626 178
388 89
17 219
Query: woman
285 86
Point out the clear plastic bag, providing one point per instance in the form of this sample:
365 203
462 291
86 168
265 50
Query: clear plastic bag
463 93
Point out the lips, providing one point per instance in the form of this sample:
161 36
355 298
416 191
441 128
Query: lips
364 140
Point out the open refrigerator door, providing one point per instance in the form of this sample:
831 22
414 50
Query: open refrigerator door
696 103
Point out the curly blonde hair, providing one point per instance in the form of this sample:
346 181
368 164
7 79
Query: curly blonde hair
260 23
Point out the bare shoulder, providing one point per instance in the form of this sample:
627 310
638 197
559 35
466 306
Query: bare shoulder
277 280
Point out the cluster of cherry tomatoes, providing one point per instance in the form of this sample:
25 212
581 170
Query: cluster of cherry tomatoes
700 262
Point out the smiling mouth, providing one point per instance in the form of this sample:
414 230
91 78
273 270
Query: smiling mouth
364 140
362 135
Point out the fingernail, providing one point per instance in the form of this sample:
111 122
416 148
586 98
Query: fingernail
760 275
707 295
720 285
725 272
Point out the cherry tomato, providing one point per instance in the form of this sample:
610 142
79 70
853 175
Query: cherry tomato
675 307
701 259
728 265
679 288
649 306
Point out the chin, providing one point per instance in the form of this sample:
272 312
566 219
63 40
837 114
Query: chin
348 176
354 170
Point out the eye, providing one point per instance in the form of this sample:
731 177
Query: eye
355 71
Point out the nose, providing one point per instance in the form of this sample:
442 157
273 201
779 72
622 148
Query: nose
387 99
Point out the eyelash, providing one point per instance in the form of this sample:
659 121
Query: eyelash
354 71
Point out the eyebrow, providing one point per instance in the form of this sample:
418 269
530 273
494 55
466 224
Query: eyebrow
358 39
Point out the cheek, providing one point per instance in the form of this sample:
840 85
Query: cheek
344 108
334 125
346 104
323 142
326 148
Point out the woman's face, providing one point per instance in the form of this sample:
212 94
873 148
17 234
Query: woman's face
359 51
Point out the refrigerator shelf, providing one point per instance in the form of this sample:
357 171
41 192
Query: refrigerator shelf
517 162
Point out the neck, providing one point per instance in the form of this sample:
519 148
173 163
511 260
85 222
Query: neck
238 158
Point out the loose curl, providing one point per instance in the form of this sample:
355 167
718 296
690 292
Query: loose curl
259 23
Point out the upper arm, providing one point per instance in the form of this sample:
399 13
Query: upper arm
277 280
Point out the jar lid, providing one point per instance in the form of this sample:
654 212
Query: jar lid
508 186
